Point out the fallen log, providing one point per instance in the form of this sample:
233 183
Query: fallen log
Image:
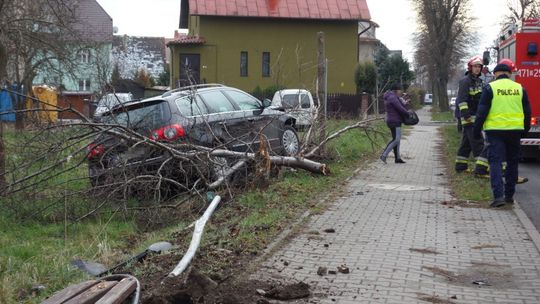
196 239
290 161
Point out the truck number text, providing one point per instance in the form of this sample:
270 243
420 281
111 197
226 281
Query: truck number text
535 73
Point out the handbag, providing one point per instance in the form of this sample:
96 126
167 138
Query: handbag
411 119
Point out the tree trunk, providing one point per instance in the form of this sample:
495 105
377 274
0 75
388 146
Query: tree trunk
441 84
21 103
3 64
321 87
3 74
3 183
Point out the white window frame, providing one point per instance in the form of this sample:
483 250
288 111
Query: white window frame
84 56
84 84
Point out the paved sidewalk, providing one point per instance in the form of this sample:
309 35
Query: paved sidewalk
402 244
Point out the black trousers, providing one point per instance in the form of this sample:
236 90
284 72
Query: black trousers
503 146
476 146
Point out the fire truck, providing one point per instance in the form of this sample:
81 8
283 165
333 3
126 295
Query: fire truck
520 44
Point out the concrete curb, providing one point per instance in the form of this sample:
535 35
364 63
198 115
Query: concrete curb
528 225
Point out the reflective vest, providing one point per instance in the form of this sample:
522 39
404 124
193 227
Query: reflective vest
506 112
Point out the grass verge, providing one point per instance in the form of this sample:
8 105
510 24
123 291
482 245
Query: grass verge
442 116
39 253
465 186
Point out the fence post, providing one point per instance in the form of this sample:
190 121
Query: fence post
364 105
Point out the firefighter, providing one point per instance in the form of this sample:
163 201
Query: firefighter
504 113
470 88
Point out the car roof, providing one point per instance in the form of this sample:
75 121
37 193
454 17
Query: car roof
197 87
174 94
292 91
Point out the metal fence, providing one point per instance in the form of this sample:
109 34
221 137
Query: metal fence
351 105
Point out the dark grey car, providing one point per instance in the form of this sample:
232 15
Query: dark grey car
203 115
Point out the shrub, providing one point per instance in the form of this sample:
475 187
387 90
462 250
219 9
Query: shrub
268 92
417 95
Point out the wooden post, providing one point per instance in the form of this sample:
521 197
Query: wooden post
364 105
321 86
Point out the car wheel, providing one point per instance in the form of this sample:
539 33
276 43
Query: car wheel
289 142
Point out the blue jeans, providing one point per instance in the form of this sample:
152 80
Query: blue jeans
503 146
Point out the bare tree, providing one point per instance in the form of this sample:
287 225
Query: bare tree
443 35
40 37
36 35
521 10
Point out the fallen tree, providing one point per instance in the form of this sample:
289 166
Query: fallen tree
48 158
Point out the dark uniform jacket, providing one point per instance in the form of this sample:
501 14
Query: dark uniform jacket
470 88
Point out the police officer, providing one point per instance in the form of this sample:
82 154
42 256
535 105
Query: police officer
504 114
470 88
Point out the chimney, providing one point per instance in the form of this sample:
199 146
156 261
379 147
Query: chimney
273 5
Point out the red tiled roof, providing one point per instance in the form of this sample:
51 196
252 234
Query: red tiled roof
302 9
187 40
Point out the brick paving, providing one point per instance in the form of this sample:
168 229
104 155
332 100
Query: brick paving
403 245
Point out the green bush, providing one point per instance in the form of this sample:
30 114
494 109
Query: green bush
365 77
417 95
268 92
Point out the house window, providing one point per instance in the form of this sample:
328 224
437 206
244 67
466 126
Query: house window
84 85
85 56
266 64
243 64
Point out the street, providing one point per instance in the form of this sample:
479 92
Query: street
527 194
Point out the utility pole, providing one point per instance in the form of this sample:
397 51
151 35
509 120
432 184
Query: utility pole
321 86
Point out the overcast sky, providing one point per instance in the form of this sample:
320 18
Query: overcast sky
395 18
397 22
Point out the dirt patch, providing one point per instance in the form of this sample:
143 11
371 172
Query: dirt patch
289 292
434 299
485 246
482 263
199 288
424 250
218 274
463 204
482 275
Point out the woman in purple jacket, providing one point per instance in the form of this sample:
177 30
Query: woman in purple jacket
395 111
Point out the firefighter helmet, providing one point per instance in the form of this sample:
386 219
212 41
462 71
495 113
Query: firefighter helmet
474 61
509 63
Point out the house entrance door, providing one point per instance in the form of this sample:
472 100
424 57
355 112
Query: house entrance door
190 68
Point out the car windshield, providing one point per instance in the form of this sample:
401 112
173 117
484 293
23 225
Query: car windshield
141 117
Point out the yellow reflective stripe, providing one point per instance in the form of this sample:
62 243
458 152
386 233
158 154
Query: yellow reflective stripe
463 106
483 163
468 121
460 161
507 115
506 112
506 125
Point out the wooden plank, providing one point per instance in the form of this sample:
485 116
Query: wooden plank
69 292
93 294
119 293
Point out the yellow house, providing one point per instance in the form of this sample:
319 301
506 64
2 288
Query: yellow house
250 43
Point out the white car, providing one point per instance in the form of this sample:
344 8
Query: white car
452 102
298 103
428 99
108 101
